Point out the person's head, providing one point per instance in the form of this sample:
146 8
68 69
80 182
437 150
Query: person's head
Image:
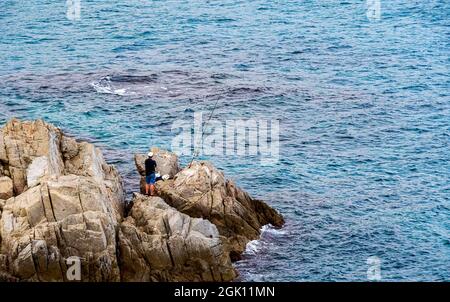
150 154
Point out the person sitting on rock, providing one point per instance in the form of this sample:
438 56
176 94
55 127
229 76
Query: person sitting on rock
150 176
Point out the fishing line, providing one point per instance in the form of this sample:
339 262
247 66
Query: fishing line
203 126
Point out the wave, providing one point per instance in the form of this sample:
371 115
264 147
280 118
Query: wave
267 233
105 85
271 230
173 84
252 247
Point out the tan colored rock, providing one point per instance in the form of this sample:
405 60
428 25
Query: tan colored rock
63 200
67 202
37 171
22 142
32 151
158 243
167 162
69 147
56 220
88 162
6 187
201 190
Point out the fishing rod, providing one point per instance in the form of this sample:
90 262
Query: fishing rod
203 125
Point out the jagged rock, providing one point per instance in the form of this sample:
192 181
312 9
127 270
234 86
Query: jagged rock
6 187
158 243
21 143
37 170
167 164
201 190
67 202
69 147
88 162
61 199
56 220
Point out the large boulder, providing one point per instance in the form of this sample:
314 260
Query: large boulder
167 164
158 243
57 220
66 203
21 143
201 190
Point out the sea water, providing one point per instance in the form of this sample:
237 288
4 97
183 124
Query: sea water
362 99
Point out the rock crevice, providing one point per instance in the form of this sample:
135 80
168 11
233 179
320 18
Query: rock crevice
201 190
55 208
60 200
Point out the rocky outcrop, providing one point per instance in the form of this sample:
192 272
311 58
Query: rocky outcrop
60 203
201 190
167 164
66 202
21 143
56 220
158 243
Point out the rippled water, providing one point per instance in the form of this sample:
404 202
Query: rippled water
363 107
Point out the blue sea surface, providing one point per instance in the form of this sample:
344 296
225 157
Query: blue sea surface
363 105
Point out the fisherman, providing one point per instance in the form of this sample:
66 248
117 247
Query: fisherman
150 175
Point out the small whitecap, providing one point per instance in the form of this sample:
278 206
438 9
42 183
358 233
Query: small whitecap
121 91
252 247
104 86
270 229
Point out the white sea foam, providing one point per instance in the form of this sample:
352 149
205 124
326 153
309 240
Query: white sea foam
270 229
254 246
105 86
